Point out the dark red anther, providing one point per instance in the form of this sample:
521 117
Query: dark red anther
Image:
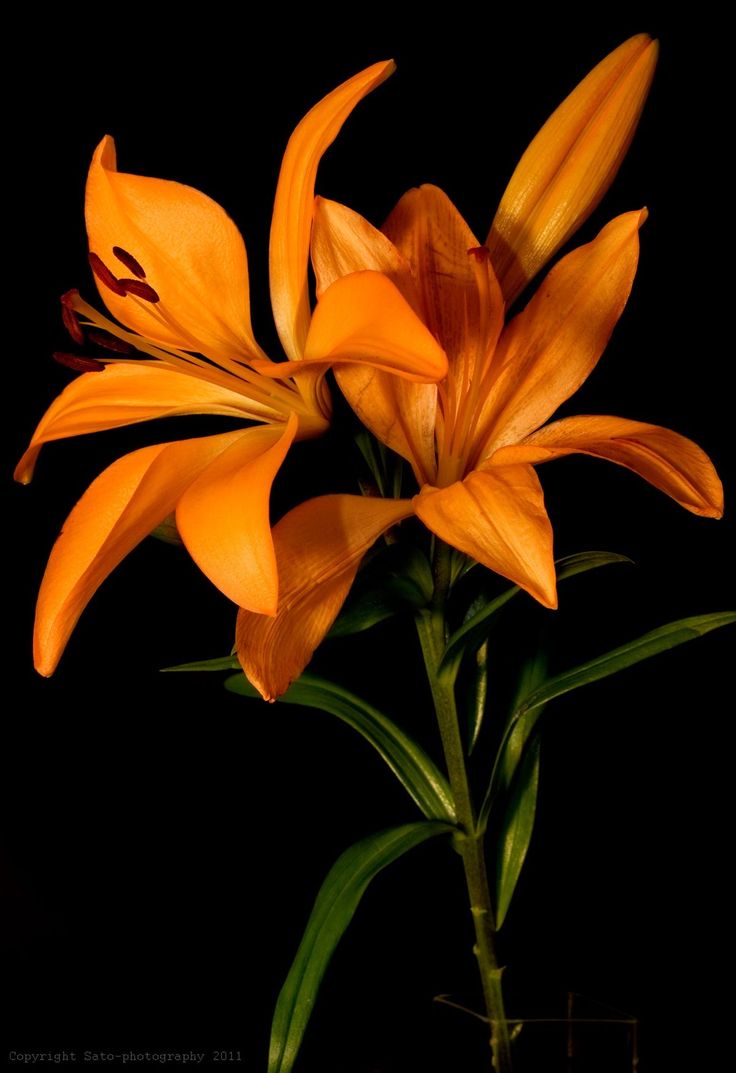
67 298
129 261
481 253
111 343
79 364
105 276
139 289
71 323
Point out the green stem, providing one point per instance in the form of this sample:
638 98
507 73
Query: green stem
432 630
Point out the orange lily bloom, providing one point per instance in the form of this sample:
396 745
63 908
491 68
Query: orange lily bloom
171 266
472 441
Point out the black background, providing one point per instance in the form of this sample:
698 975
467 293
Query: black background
162 841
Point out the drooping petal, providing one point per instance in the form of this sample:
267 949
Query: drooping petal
292 214
363 318
667 460
570 164
551 347
431 234
127 393
223 517
319 546
125 503
400 413
191 251
498 518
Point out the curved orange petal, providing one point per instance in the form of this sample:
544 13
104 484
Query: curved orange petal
122 506
223 517
363 318
429 231
570 164
552 346
400 413
498 518
127 393
319 546
670 462
344 242
190 249
292 213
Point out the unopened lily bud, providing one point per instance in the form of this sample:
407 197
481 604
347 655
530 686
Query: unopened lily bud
570 164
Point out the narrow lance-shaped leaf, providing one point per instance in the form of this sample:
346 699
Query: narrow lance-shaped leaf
474 631
651 644
333 910
516 830
414 769
517 769
219 663
477 695
519 753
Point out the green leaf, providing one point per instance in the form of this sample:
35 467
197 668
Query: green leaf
415 770
474 631
477 695
651 644
516 828
333 910
398 578
518 763
219 663
516 770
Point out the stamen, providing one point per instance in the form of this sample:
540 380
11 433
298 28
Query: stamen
71 322
480 253
111 343
79 364
105 276
129 261
139 289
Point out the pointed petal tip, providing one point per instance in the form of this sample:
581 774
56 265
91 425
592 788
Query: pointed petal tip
105 155
23 472
45 656
570 164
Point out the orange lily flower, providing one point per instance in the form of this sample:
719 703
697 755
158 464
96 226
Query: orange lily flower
472 441
171 266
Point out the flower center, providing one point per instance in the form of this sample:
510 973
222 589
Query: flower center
463 395
264 399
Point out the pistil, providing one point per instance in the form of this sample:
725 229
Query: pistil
464 400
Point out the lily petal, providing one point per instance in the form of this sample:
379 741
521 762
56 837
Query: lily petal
122 506
570 164
292 214
344 242
552 346
400 413
363 318
498 517
223 517
192 254
670 462
127 393
319 546
429 231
